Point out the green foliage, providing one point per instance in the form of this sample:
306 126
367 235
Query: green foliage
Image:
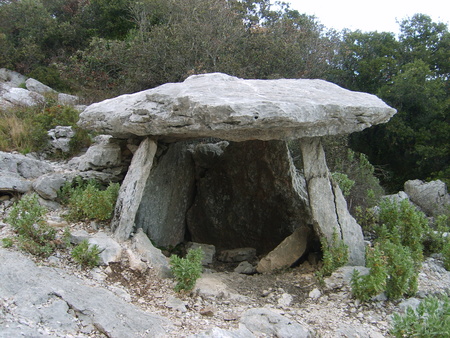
187 270
49 76
87 200
367 286
7 242
86 255
344 182
335 255
24 129
430 319
27 219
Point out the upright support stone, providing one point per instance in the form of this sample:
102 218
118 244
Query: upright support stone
132 190
328 206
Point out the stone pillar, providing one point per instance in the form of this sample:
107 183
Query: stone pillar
132 189
328 206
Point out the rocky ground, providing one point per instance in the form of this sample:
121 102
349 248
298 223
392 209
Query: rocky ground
221 298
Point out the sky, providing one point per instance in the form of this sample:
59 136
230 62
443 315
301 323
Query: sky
381 15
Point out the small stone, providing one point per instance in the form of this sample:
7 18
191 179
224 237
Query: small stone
315 294
207 312
285 300
229 317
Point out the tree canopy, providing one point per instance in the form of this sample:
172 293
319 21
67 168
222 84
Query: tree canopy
101 48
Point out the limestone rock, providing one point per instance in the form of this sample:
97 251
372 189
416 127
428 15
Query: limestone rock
167 196
142 245
60 138
267 323
431 197
50 297
48 185
38 87
66 99
110 250
286 253
100 156
237 255
24 166
23 97
11 182
245 268
11 77
132 190
226 107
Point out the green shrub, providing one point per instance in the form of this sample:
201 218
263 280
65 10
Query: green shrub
27 219
430 319
368 286
86 200
86 255
344 182
187 270
7 242
335 255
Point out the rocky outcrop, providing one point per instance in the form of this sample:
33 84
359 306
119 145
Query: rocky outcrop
226 107
431 197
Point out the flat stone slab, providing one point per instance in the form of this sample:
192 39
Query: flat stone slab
221 106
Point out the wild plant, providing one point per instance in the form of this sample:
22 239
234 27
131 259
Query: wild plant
187 270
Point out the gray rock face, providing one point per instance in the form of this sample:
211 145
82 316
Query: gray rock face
23 97
63 304
262 321
24 166
226 107
247 197
167 196
38 87
328 206
286 253
60 138
11 77
431 197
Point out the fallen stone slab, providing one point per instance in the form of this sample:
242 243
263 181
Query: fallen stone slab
431 197
222 106
49 302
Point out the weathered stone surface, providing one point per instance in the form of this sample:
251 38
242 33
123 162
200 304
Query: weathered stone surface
226 107
24 166
38 87
245 268
237 255
265 322
250 196
286 253
60 138
66 99
132 190
167 196
142 245
110 250
431 197
23 97
48 185
11 182
241 332
51 298
328 206
100 156
11 77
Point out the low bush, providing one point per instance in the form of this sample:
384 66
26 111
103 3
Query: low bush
86 199
34 234
187 270
430 319
335 255
86 255
7 242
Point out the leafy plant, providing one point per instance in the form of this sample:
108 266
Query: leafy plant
187 270
430 319
7 242
86 255
344 182
27 219
335 255
87 200
365 287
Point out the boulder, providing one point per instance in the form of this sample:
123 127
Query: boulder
237 255
245 268
12 182
24 166
431 197
38 87
209 251
101 156
68 100
22 97
158 262
251 195
267 323
286 253
221 106
110 250
48 185
11 77
60 138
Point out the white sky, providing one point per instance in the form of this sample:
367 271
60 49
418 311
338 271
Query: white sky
381 15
